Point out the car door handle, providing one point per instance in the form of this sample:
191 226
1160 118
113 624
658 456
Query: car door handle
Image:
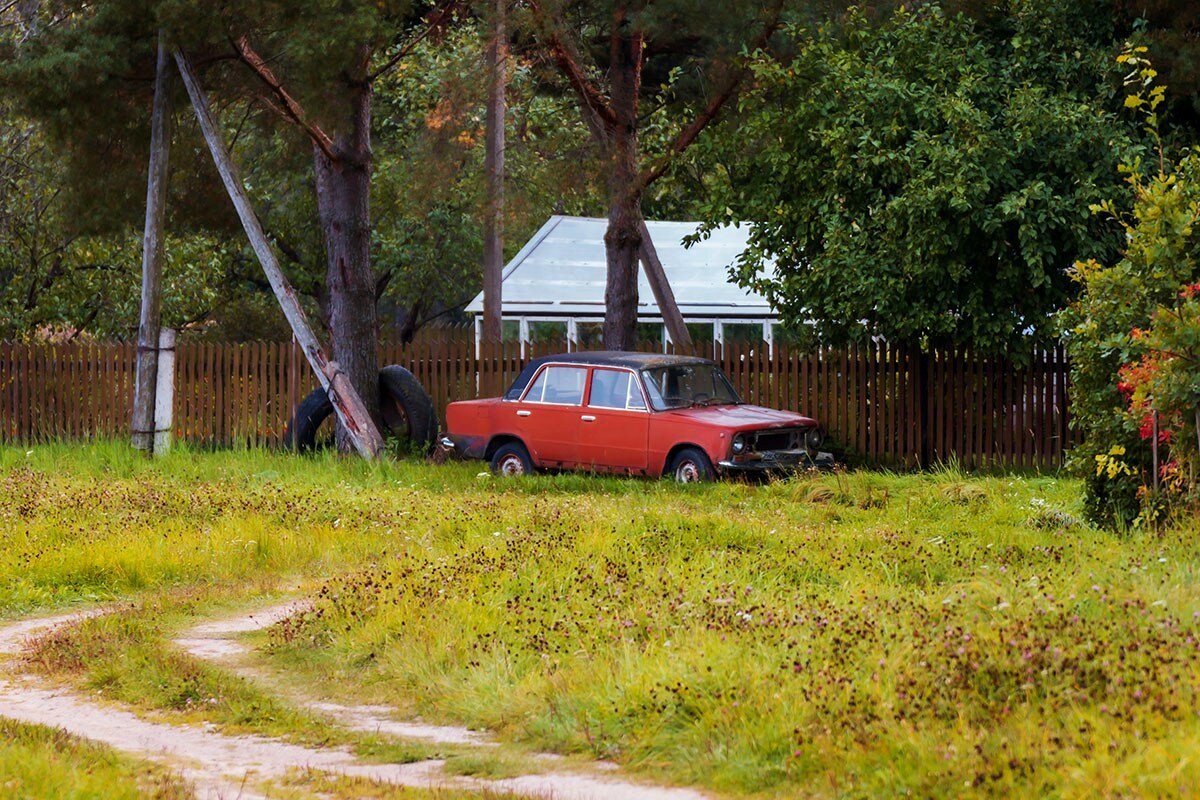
524 413
588 418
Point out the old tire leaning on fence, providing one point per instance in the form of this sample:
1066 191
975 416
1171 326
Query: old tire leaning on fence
405 406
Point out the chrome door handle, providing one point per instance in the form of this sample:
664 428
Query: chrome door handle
588 418
524 413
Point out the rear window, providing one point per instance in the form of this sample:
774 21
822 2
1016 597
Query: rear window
562 385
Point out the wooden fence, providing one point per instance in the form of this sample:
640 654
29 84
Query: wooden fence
886 405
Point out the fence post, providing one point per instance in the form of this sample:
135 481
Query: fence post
925 454
164 392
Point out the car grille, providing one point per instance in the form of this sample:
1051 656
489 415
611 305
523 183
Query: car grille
784 439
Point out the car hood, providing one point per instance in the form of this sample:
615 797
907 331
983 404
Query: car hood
743 417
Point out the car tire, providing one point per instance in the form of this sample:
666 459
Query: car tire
691 465
406 408
511 460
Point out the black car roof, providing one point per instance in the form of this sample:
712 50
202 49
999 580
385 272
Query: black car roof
599 358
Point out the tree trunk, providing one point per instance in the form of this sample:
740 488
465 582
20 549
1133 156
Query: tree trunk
622 241
343 204
493 226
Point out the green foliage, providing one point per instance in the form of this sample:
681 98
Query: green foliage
928 179
1134 335
428 191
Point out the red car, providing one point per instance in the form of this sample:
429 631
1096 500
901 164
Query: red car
629 413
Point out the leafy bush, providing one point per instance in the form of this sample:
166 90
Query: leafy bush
1134 340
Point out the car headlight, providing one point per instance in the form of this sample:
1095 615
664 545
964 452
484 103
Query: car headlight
814 438
739 444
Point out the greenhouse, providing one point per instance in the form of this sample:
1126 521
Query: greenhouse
559 277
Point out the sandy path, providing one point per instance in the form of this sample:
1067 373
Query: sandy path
217 641
219 765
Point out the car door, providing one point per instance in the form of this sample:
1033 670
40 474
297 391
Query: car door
615 422
548 415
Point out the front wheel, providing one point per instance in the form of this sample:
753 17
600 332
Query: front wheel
511 460
691 465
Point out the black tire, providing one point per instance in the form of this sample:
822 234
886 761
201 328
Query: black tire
406 408
511 460
691 465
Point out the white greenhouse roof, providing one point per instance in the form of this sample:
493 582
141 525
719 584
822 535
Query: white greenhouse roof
561 272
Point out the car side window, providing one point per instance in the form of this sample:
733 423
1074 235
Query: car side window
562 385
613 388
610 388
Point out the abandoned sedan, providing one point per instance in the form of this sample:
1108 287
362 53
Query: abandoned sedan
629 413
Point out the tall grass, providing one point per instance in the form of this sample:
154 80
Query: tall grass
849 635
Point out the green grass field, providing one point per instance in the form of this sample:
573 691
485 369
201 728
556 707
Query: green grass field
858 635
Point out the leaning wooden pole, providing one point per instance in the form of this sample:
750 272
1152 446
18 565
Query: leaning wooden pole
656 276
346 401
150 319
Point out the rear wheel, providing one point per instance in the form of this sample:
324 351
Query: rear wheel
691 465
511 460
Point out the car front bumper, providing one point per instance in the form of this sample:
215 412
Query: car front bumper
782 461
463 447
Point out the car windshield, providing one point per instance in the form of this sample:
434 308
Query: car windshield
687 385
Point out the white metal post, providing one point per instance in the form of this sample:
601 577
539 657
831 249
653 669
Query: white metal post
718 338
572 335
164 392
479 337
769 337
524 334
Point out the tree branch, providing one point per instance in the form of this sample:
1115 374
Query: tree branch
88 320
288 106
436 21
382 280
689 134
458 306
598 114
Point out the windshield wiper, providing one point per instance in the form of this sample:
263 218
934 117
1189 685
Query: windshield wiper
714 401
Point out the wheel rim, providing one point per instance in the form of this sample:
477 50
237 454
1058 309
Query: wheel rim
511 465
687 472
